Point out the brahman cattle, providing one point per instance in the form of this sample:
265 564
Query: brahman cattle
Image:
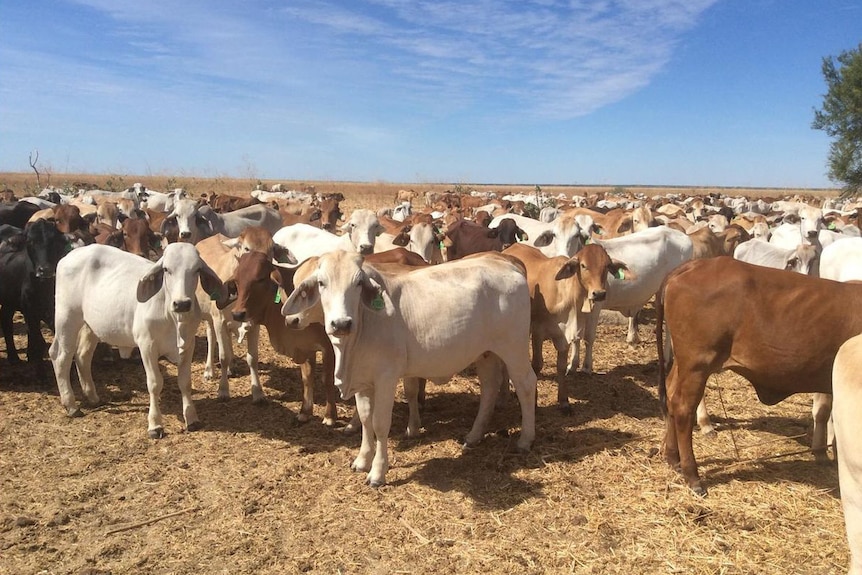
28 263
464 237
261 287
430 322
847 392
303 241
562 292
104 294
801 321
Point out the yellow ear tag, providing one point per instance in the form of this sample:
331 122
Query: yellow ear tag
377 303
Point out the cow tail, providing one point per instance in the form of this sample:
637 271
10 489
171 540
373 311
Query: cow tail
659 340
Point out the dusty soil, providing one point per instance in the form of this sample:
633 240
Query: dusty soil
255 492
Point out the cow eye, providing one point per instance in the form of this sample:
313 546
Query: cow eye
320 283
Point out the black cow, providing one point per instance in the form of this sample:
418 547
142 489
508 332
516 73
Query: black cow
28 262
17 214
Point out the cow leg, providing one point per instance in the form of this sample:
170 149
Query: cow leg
633 336
537 360
330 413
381 418
209 368
411 393
685 390
224 344
524 381
155 382
364 410
562 347
821 411
591 325
306 370
704 422
87 342
62 353
252 347
846 410
7 314
35 344
490 373
184 382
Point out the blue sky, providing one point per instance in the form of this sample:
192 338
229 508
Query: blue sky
652 92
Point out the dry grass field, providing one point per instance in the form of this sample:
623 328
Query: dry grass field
255 492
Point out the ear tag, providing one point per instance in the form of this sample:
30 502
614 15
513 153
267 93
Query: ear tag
69 247
377 303
831 226
621 274
587 242
277 296
441 244
214 295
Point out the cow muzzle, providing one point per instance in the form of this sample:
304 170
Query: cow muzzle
366 249
185 236
239 316
44 272
341 326
182 306
599 295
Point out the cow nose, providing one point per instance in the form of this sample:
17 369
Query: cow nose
44 272
185 235
292 321
182 306
366 249
341 326
812 233
239 315
599 295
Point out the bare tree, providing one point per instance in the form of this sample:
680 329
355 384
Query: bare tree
33 165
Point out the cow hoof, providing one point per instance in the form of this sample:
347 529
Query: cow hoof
708 430
566 408
303 417
259 400
350 429
376 484
157 433
194 426
75 412
821 458
465 447
329 422
698 490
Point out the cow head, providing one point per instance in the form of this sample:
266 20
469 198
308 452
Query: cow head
45 246
363 228
592 267
341 286
177 272
509 232
257 282
191 223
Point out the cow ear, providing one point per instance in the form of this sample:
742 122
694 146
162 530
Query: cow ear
401 239
791 263
569 269
315 215
282 255
212 284
115 239
372 294
231 243
303 297
544 239
791 218
493 233
625 226
620 271
151 283
521 235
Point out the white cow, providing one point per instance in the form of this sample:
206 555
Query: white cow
303 241
431 322
565 236
801 259
420 238
193 227
231 224
847 391
650 256
104 294
160 201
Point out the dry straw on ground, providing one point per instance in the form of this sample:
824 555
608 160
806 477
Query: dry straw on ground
255 492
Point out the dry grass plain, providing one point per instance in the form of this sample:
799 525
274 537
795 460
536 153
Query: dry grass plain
255 492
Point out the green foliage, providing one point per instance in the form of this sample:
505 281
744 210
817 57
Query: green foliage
841 118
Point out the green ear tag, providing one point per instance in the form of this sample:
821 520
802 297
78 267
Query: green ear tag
831 225
377 302
215 295
621 274
441 245
277 296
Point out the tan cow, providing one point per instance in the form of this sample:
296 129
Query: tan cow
801 321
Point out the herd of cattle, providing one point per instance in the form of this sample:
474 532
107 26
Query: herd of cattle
434 284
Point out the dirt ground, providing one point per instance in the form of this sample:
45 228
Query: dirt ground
255 492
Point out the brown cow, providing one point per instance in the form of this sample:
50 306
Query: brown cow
558 308
222 254
223 203
779 330
261 287
708 244
464 237
134 236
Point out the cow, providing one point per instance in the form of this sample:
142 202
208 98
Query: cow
231 224
562 292
650 256
802 321
260 287
107 295
135 237
222 255
225 203
28 263
847 392
18 213
562 237
464 237
421 238
303 241
191 225
707 243
801 259
411 325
